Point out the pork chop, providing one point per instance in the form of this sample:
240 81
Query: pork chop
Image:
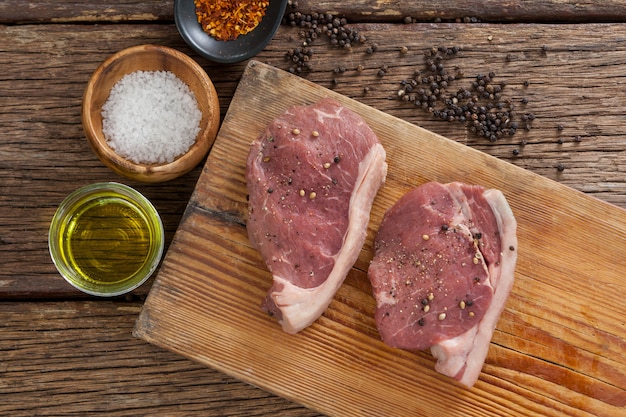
442 270
312 176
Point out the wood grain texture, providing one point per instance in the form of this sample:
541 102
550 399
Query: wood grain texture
496 11
558 348
81 354
77 358
65 11
44 155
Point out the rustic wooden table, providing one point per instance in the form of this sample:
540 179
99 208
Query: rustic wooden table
62 352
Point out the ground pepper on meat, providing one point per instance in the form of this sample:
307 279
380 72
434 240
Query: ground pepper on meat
225 20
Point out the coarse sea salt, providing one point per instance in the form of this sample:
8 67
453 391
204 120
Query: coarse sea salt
151 117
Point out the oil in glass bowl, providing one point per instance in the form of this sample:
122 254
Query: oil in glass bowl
106 239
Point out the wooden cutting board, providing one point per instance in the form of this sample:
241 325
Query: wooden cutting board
559 347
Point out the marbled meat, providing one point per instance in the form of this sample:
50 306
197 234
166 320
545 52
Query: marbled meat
312 176
443 268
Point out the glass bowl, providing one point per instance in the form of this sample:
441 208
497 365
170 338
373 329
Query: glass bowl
106 239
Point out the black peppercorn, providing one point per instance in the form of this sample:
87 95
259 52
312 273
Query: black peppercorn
481 106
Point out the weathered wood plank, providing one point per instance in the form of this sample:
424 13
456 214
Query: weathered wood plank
79 354
44 155
79 358
21 12
495 11
67 11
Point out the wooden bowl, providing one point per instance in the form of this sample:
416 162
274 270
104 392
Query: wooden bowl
150 58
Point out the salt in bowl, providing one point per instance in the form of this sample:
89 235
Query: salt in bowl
150 58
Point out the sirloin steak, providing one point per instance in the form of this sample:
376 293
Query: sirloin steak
442 270
312 176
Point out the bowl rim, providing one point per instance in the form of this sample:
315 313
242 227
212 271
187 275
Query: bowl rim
153 172
221 52
85 192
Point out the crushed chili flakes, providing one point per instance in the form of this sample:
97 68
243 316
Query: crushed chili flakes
227 19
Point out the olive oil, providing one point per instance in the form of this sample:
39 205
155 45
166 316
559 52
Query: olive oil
106 242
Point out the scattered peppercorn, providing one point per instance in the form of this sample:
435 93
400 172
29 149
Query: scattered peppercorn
481 106
315 25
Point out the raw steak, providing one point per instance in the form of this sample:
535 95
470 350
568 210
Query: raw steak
443 268
312 176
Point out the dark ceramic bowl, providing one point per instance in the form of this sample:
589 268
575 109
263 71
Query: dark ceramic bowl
227 52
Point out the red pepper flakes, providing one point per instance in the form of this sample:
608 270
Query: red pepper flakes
225 20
